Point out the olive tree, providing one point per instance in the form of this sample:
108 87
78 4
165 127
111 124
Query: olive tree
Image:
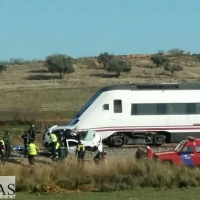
159 60
59 63
105 58
118 66
172 68
3 67
176 52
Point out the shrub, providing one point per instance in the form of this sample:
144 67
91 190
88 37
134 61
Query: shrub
159 60
59 63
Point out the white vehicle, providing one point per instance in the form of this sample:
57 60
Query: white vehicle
91 140
142 113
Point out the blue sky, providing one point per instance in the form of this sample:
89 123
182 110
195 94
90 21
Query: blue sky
35 29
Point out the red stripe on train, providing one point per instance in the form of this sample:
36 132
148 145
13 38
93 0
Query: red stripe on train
145 129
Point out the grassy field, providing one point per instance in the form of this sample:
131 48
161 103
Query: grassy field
118 175
137 194
29 92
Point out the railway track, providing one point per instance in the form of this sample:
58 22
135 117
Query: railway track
172 145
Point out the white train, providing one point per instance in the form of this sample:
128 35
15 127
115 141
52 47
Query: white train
142 113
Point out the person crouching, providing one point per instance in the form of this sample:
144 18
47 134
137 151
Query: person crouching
100 157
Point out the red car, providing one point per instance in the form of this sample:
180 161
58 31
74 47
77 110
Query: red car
187 152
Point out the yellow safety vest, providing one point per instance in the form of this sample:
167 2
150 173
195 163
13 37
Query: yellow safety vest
32 149
57 145
80 146
2 142
53 138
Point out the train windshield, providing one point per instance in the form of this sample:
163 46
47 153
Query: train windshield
84 108
180 145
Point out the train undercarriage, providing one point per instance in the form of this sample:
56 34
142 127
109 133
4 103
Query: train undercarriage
129 138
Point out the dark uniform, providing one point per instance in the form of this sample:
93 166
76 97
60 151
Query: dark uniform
7 142
26 138
31 132
32 152
140 154
62 151
99 156
2 151
80 150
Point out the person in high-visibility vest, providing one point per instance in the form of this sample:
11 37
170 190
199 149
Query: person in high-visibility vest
80 150
2 151
32 152
53 141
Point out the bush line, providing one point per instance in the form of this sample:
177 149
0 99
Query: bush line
118 174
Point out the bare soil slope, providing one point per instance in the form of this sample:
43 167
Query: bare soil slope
29 91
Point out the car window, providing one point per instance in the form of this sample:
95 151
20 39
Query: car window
188 149
89 136
57 131
72 143
198 149
180 145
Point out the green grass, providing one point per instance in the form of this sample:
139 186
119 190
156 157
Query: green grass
137 194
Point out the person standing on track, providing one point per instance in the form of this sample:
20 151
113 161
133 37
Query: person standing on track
2 151
26 138
53 141
32 152
32 132
80 150
7 142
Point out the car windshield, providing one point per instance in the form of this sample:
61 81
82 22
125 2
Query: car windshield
180 145
89 136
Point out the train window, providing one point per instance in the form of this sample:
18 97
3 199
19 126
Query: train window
146 109
191 108
176 108
106 106
198 149
197 108
161 109
133 109
117 106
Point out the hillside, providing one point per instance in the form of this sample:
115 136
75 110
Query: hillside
30 92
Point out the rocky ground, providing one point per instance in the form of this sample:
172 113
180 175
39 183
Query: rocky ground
44 157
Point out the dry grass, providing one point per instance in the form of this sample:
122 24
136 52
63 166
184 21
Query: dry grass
31 89
118 174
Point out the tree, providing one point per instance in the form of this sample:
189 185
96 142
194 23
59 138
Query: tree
172 68
59 63
161 52
118 66
197 56
176 52
105 58
2 67
159 60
